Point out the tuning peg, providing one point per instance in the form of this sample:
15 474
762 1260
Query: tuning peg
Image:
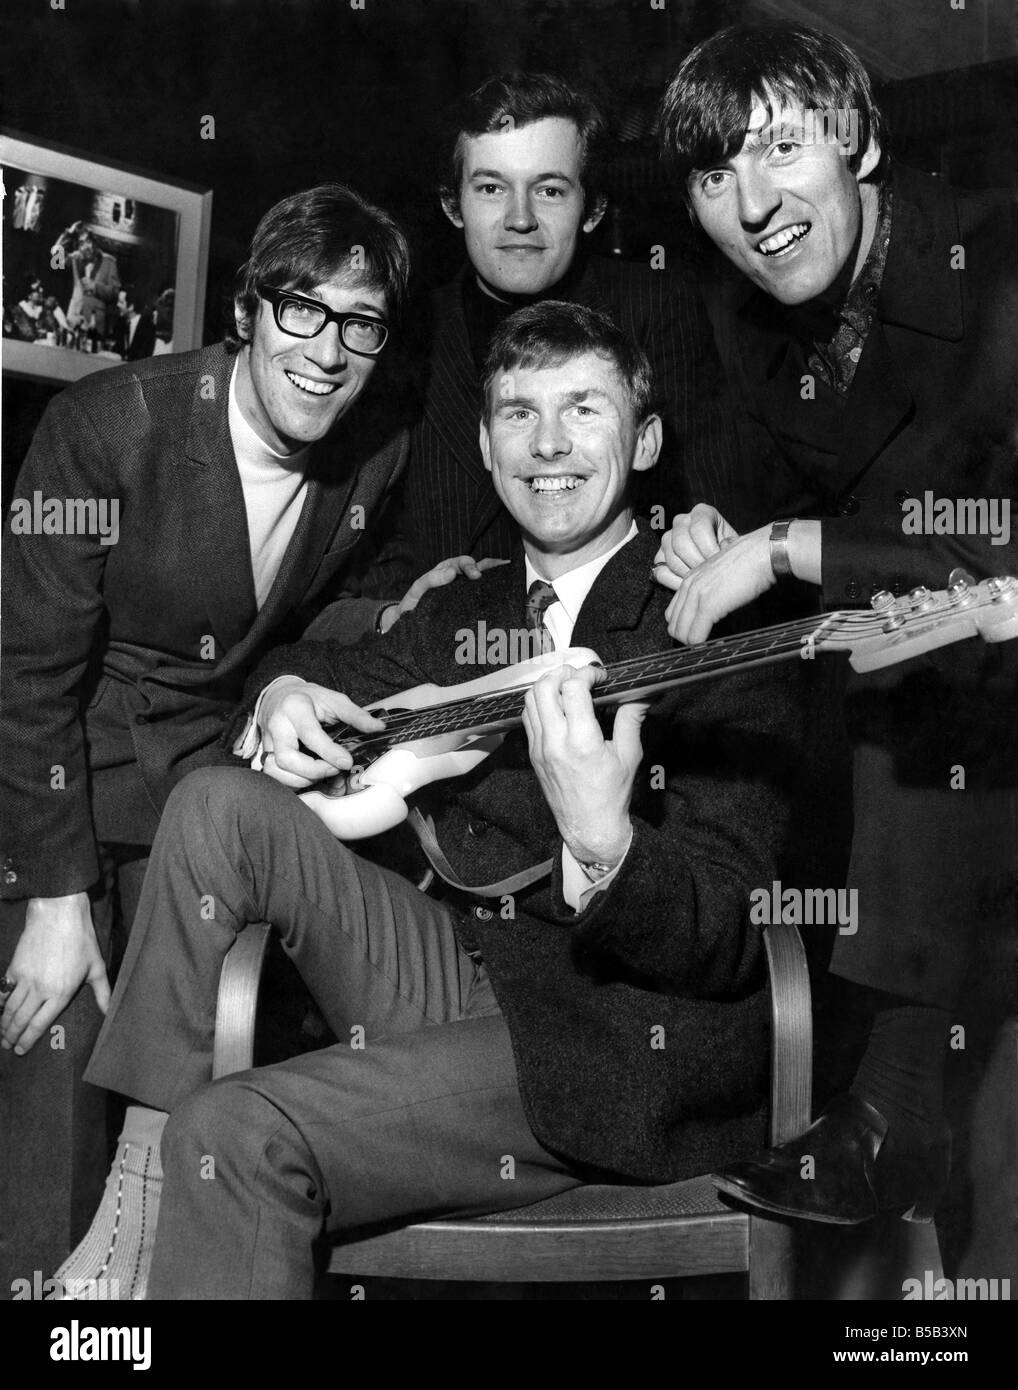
920 598
1001 587
881 601
959 586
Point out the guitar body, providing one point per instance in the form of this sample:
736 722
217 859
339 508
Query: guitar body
372 799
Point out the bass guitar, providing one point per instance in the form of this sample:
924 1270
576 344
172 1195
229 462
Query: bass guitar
434 732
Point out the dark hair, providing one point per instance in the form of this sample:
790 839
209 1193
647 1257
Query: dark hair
511 99
552 332
311 237
706 108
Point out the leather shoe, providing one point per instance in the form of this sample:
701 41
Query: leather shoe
846 1182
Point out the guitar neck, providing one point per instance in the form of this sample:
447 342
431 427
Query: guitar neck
624 680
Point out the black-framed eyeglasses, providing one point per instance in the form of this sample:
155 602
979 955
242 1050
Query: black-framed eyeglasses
305 318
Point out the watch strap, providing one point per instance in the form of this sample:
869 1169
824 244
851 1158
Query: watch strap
781 563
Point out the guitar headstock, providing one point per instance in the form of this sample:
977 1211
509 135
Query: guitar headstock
900 628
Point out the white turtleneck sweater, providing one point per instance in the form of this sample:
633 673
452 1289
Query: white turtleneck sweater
274 489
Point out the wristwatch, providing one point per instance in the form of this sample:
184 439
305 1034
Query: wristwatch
780 561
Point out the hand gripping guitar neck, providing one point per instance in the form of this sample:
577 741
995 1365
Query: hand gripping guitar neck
434 732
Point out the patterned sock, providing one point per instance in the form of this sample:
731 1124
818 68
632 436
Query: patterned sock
113 1260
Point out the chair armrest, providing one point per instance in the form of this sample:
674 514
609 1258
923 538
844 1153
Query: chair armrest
237 1005
791 1033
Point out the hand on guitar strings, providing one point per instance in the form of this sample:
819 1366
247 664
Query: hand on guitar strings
291 719
587 780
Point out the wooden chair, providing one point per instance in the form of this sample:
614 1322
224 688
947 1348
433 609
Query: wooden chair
591 1233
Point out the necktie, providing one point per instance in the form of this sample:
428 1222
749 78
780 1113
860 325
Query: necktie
540 596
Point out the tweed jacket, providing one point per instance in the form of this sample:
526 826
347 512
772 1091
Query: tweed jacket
669 945
121 661
450 506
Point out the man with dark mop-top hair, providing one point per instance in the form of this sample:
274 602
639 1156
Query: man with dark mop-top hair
874 339
611 1024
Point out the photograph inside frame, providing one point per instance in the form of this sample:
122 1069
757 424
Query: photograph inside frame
115 265
512 782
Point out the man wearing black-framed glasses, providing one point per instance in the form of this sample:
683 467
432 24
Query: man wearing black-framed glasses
240 483
302 317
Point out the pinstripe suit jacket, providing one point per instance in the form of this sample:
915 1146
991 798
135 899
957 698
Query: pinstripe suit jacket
121 662
450 506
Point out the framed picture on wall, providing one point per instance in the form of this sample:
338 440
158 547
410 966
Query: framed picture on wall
101 262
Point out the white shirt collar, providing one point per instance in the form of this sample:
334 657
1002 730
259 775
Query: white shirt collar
572 588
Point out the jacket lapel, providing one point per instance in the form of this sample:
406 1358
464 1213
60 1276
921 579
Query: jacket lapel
333 471
921 292
225 575
214 508
618 597
324 506
879 401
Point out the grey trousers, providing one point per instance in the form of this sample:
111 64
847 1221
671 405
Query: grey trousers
416 1112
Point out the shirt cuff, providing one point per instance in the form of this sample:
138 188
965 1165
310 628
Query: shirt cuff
577 888
249 745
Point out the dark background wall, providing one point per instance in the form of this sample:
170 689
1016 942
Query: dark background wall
308 90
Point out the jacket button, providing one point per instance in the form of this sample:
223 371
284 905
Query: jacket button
483 914
9 863
849 506
852 589
477 828
10 876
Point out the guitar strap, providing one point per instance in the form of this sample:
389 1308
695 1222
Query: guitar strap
424 829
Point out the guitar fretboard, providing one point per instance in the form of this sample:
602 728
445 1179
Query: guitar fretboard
632 679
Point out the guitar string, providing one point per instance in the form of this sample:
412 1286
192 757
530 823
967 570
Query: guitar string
779 640
723 649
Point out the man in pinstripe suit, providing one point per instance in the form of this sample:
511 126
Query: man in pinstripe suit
522 184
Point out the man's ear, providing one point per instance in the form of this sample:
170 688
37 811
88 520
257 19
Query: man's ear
869 161
485 442
243 321
451 208
596 213
648 444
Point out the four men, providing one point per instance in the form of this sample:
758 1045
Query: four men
871 370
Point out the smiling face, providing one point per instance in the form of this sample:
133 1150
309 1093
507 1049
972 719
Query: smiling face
293 390
560 445
521 205
789 212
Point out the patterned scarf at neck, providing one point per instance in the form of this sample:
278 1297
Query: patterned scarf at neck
836 359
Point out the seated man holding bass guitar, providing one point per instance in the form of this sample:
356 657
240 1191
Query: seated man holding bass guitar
594 1007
